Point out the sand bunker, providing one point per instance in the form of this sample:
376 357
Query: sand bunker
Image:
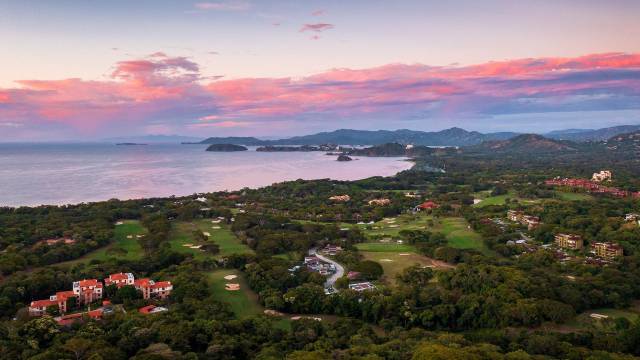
232 287
206 234
230 277
129 236
119 223
386 260
273 312
404 254
215 221
215 227
394 226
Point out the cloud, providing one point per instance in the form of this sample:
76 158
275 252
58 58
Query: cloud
317 13
171 92
319 27
223 6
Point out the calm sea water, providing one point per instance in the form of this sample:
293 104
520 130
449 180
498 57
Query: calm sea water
35 174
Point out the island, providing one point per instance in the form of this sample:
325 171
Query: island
343 157
129 144
226 148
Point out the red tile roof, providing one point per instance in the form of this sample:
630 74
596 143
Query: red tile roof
43 303
89 282
146 309
64 295
161 284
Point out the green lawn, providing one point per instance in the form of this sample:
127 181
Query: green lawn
386 247
571 196
493 200
182 233
125 245
460 235
244 302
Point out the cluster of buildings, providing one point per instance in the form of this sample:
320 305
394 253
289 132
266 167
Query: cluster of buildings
88 291
313 263
592 187
605 250
520 217
51 242
603 175
331 250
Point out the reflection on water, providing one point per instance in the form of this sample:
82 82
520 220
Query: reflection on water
33 174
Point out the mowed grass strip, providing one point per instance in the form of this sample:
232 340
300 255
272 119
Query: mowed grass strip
244 302
385 247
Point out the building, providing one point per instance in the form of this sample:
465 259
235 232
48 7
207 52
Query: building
340 198
88 290
150 288
427 205
569 241
120 279
520 217
67 320
151 309
361 286
332 250
39 307
604 175
607 250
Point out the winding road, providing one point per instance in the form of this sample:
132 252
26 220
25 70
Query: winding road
339 268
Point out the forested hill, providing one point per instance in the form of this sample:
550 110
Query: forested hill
526 143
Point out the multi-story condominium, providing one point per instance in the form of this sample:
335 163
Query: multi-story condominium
607 250
569 241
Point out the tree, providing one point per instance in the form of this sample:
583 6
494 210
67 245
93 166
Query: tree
78 346
370 270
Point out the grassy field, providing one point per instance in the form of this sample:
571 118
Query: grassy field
394 262
459 235
570 196
584 321
392 227
125 245
182 233
244 302
390 247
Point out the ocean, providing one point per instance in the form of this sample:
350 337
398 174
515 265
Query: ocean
56 174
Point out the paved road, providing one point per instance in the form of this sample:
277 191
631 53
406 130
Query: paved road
339 268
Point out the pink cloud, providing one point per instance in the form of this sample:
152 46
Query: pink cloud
170 91
317 13
319 27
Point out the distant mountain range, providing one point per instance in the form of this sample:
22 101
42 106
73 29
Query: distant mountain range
591 134
449 137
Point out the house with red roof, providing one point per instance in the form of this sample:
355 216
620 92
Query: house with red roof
119 279
71 318
88 290
39 307
427 205
150 288
151 309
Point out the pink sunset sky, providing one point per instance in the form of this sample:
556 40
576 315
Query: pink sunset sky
92 70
